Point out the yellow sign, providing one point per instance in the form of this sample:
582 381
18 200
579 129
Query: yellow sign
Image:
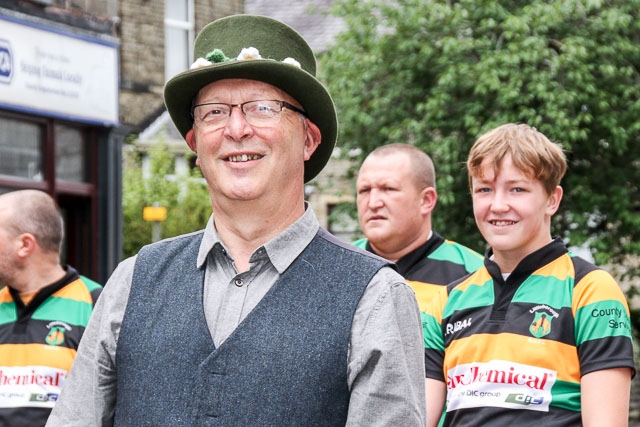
154 213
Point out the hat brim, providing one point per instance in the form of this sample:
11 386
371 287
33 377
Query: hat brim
180 91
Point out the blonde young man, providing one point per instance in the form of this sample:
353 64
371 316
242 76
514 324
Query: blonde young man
262 318
396 196
537 336
44 308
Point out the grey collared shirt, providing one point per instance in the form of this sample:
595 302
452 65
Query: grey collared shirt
385 370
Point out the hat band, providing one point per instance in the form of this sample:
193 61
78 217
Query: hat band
217 56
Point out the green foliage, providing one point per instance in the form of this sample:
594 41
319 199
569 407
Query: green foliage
437 74
185 197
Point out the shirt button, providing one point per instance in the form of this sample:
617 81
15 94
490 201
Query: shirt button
239 283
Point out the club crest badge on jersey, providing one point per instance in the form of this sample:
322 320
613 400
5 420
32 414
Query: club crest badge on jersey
541 324
57 331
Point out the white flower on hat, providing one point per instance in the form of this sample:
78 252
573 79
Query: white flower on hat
249 53
199 63
291 61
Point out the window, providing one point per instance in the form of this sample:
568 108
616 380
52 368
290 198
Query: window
21 144
71 156
178 35
47 154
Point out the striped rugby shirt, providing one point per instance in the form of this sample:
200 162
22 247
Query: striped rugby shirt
436 263
513 352
38 343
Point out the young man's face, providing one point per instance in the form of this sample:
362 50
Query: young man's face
391 208
513 211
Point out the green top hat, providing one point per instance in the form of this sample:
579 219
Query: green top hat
256 48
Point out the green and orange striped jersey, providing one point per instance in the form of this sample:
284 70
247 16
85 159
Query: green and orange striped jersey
436 263
512 352
38 344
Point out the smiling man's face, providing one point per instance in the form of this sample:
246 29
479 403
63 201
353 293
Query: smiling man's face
245 162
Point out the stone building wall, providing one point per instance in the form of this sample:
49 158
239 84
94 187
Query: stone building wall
96 7
142 54
330 188
209 10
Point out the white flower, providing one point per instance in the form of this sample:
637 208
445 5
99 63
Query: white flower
249 53
291 61
199 63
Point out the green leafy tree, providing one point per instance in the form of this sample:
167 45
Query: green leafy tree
437 74
185 197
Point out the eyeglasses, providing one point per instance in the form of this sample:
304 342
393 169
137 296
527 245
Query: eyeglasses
214 115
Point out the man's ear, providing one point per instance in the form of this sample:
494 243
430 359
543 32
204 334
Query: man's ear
191 140
312 140
553 203
428 200
27 244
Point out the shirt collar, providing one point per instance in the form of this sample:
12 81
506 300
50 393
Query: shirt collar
282 250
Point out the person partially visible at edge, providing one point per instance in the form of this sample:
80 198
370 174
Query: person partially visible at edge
262 318
396 196
537 336
44 308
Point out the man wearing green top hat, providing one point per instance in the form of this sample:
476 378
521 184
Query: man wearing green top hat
263 318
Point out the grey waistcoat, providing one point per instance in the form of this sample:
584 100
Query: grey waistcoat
284 365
